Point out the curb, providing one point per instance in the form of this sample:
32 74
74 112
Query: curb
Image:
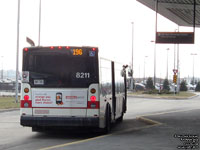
9 110
141 96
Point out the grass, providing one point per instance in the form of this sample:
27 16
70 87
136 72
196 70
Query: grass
8 102
172 95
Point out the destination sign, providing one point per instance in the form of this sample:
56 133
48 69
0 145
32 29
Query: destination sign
175 37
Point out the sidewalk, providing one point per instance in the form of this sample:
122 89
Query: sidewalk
10 109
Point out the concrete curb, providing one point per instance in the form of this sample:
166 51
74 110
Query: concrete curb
169 98
8 110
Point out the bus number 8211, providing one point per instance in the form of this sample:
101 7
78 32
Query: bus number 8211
82 75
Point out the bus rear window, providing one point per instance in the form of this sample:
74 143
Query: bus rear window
61 69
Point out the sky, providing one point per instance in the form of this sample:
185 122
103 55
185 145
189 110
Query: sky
102 23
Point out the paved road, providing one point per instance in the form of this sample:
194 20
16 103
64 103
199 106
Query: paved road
174 116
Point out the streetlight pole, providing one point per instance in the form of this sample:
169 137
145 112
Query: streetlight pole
132 55
193 54
39 23
2 67
167 62
154 78
144 66
17 54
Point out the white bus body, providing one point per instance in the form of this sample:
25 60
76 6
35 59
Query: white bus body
89 93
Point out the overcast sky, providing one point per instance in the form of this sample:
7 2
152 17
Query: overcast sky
102 23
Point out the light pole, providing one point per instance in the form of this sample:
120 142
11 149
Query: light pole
144 67
193 54
167 63
2 67
132 55
154 78
17 54
39 23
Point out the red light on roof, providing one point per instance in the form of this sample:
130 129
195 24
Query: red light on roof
67 47
51 47
59 47
94 49
26 49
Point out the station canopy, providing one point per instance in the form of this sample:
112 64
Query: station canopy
180 12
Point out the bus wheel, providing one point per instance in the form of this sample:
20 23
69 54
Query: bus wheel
107 129
120 119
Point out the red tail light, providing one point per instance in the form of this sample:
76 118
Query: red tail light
59 47
26 97
94 49
93 98
52 47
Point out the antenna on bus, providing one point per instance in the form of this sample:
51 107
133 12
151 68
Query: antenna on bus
28 40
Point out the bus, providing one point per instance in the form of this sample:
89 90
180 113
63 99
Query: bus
70 86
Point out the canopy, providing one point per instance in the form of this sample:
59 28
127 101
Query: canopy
180 12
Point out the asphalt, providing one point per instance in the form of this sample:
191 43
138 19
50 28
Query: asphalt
168 131
175 130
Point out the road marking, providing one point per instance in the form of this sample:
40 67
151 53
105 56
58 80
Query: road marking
149 121
154 123
141 118
76 142
167 112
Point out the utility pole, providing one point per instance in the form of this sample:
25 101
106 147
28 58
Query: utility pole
17 54
39 23
132 55
193 54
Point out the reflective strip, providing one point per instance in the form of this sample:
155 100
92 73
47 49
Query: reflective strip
93 105
26 104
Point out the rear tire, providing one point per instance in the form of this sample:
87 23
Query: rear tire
107 128
120 119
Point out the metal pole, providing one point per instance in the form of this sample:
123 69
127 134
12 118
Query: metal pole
193 54
156 9
167 63
145 67
39 23
132 55
17 54
193 71
2 67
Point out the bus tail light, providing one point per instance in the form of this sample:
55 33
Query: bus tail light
26 90
26 97
93 91
93 98
93 105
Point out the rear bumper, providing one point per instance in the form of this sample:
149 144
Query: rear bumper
32 121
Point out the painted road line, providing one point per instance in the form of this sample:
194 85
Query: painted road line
75 142
153 124
148 121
